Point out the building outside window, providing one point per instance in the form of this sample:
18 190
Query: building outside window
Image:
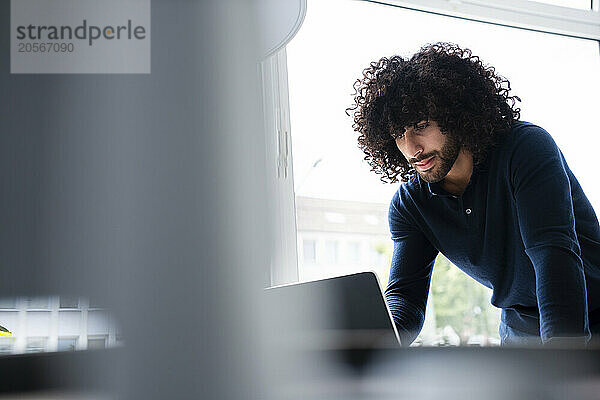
56 323
360 242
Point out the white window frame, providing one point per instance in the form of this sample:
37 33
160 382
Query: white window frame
521 14
276 111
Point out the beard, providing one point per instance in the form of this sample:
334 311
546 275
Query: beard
445 159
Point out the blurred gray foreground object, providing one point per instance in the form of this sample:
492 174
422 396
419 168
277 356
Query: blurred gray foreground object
146 193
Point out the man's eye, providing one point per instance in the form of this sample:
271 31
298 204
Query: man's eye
421 126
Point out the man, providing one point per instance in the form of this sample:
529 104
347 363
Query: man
492 193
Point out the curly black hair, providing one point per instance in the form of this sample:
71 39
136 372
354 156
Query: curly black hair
441 83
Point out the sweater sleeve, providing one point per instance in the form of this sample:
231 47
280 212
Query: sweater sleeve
410 274
542 193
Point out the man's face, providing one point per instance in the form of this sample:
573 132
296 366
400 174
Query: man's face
428 150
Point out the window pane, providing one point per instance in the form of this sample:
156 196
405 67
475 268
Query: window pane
67 344
309 251
8 302
330 253
353 252
37 302
6 345
96 343
323 64
69 302
534 63
36 345
95 304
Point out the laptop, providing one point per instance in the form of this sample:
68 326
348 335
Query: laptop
345 312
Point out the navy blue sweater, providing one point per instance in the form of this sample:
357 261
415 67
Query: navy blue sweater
523 227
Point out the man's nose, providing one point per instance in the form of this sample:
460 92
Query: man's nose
413 146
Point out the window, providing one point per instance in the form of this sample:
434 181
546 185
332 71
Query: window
93 302
6 345
336 218
353 252
330 252
36 344
323 63
67 344
69 302
8 302
309 251
96 343
371 219
530 60
37 303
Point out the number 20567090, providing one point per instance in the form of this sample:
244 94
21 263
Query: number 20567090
46 47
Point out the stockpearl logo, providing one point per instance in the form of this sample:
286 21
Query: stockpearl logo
80 36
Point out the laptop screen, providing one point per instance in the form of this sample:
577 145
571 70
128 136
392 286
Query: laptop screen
342 312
